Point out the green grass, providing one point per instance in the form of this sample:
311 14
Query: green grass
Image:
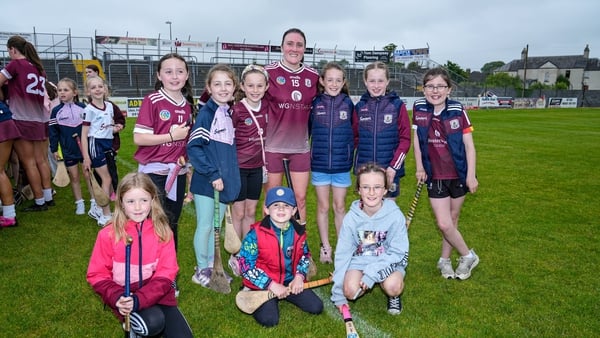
533 222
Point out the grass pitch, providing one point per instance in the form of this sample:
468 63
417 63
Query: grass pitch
533 222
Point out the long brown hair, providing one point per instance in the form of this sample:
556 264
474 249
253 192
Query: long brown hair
157 214
187 90
333 65
27 49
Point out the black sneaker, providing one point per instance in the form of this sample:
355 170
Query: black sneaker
50 203
36 207
394 305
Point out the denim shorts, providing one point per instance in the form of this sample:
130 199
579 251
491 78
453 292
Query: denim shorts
338 180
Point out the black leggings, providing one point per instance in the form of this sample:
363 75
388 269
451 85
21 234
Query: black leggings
172 208
163 320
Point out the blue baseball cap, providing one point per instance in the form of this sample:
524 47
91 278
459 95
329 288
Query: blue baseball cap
280 194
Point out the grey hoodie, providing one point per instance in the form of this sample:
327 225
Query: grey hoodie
379 243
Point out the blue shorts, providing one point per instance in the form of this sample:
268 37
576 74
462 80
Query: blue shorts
98 147
71 162
338 180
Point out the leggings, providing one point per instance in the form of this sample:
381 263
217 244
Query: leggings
172 208
163 320
204 237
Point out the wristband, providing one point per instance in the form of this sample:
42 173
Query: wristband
171 135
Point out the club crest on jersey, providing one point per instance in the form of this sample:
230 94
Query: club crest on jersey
308 83
164 115
387 118
454 124
281 80
248 121
343 115
296 95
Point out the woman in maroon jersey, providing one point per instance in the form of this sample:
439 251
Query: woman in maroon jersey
26 90
8 133
292 87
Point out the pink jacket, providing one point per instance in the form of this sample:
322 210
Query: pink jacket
153 267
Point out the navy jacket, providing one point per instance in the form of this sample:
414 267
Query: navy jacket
332 139
65 121
381 132
211 150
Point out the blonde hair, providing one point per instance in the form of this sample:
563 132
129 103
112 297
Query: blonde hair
157 215
250 69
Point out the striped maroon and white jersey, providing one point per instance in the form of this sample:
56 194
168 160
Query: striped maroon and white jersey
158 114
290 94
26 91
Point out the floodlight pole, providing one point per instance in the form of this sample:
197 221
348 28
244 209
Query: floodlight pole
170 34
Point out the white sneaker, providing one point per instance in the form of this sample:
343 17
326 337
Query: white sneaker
466 265
95 212
80 209
103 220
445 267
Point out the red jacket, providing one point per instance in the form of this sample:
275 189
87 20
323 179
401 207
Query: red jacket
268 256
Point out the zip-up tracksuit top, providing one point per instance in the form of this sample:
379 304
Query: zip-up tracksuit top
65 121
212 153
153 267
381 132
450 117
332 138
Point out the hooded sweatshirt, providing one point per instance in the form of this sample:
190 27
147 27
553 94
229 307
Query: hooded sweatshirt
379 243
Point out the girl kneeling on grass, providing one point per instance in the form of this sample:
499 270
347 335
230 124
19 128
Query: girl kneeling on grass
372 246
152 305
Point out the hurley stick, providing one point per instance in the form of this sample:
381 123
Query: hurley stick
129 240
350 329
218 279
288 178
413 205
100 195
312 268
249 301
61 178
232 241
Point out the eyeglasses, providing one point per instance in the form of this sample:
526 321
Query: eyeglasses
431 88
377 188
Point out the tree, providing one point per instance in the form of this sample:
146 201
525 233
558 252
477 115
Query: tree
503 80
414 66
457 74
489 67
562 82
391 47
539 86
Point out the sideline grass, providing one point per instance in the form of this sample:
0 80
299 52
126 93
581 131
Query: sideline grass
534 223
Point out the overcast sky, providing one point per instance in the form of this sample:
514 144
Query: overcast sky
467 32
